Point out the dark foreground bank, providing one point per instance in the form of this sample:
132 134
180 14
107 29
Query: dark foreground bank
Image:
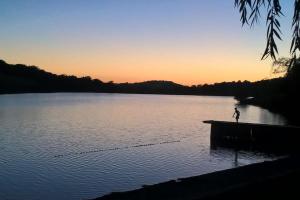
277 179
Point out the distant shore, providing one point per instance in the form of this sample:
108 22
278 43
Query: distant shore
266 180
19 79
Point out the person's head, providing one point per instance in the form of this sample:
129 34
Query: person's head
235 108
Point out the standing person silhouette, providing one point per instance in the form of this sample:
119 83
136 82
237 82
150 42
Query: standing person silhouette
236 114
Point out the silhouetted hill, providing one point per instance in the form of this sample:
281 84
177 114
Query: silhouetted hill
152 87
23 79
280 94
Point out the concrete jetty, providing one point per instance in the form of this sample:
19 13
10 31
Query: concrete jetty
264 136
277 179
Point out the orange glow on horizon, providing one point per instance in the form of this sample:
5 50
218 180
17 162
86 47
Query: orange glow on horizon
132 65
192 43
182 70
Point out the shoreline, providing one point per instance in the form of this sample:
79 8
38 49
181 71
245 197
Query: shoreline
289 113
95 92
268 179
279 106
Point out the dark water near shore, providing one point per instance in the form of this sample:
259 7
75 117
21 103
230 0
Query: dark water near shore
80 146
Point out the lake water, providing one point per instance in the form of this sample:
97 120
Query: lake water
81 146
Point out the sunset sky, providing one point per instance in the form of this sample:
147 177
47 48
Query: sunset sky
185 41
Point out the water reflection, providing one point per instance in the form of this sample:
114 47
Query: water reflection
240 157
239 153
113 142
264 116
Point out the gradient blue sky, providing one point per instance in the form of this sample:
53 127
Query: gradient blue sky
186 41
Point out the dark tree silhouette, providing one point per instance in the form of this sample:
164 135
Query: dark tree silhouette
284 96
22 79
250 11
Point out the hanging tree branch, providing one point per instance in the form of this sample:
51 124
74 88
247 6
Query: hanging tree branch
250 11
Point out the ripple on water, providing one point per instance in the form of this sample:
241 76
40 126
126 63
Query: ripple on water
80 146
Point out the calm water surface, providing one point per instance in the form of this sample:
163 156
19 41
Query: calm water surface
80 146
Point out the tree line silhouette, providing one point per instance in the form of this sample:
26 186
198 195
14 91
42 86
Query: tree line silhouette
30 79
278 94
285 97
